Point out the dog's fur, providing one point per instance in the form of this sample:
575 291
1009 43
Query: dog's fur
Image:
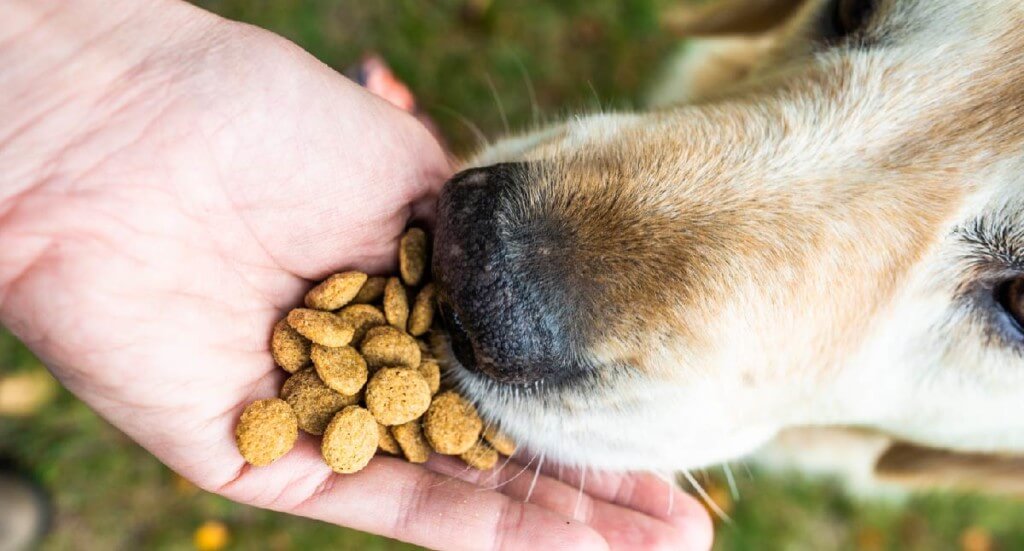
812 238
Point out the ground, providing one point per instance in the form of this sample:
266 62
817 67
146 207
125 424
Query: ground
472 63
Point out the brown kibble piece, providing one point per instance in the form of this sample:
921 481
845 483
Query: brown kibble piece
372 290
422 314
312 401
410 437
388 347
431 373
321 327
361 317
342 369
451 424
397 395
374 332
289 348
412 256
499 440
480 456
387 442
396 304
290 383
335 291
350 440
266 431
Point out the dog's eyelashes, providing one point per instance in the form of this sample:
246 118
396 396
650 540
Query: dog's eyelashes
1011 297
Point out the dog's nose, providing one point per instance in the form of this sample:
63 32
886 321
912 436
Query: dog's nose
499 301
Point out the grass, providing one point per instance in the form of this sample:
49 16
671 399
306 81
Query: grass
467 60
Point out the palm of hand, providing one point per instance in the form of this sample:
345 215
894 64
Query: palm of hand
150 280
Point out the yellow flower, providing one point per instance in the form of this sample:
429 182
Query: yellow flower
25 393
211 535
976 538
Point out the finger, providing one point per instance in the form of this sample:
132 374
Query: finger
658 496
633 519
655 495
408 502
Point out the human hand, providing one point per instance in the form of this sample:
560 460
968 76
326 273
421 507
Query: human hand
170 183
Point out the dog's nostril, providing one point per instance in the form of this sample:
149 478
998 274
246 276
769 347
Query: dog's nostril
462 346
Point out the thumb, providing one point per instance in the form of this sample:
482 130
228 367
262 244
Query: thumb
333 173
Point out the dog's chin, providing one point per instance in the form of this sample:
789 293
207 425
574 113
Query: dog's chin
625 426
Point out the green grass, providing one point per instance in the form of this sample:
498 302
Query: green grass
576 55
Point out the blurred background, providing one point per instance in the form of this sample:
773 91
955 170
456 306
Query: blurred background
476 66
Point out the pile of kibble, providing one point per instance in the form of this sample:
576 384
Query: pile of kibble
364 378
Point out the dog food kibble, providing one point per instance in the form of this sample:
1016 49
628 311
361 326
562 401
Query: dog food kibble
397 395
410 438
266 431
375 332
396 303
365 378
372 290
312 401
412 256
362 317
336 291
499 440
342 369
480 456
350 440
451 424
422 314
389 347
431 373
386 441
289 348
320 327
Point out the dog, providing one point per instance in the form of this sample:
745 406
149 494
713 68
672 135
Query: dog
811 249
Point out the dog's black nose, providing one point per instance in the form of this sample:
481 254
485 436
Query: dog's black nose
499 298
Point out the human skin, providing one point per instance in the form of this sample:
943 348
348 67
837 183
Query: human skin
170 184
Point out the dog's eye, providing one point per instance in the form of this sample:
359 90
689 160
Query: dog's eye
1011 297
850 16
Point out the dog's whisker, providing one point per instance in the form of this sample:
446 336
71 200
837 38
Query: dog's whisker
536 475
597 99
706 497
671 485
481 138
497 101
515 476
451 477
579 496
497 471
731 480
534 106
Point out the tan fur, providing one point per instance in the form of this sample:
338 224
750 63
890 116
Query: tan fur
730 17
786 250
910 465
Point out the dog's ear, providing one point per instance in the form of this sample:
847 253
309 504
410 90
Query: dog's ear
915 466
724 17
